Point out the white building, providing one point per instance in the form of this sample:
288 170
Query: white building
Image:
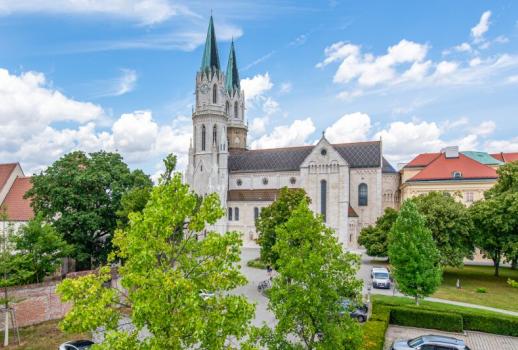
350 184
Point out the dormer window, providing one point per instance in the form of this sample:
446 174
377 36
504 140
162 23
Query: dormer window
456 174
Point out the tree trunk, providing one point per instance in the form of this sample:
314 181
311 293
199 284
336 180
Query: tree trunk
514 263
497 265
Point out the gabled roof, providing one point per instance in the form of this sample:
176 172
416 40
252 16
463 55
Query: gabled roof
210 60
232 77
442 168
5 172
18 208
506 157
482 157
357 155
351 212
387 167
422 160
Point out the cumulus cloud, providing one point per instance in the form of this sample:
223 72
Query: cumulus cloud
256 86
295 134
349 128
478 31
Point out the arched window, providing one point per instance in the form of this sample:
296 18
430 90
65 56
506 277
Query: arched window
215 94
214 134
229 214
323 199
227 107
256 213
203 132
363 195
236 213
236 114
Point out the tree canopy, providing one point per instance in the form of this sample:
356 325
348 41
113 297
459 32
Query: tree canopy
275 215
314 277
375 237
80 195
414 257
174 285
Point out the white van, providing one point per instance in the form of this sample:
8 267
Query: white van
380 277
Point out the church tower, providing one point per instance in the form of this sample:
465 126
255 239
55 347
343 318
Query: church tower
235 107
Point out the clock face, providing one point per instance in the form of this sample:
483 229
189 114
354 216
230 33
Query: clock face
204 88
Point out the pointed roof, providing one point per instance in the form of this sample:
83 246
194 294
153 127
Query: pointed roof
18 208
210 60
232 78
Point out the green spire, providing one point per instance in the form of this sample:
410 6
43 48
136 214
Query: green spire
210 59
232 77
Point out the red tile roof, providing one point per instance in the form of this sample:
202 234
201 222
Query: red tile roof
442 168
18 208
506 157
422 160
5 172
351 212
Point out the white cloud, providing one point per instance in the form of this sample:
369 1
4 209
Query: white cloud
475 62
295 134
485 128
256 86
123 84
143 11
501 39
510 145
446 68
513 79
349 128
478 31
285 88
464 47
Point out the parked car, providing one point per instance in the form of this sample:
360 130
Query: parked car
430 342
380 277
356 311
76 345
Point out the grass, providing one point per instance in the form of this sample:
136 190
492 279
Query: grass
498 293
257 263
43 336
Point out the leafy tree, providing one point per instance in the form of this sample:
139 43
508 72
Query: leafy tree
166 269
80 195
315 274
274 215
413 254
42 248
135 199
451 226
375 237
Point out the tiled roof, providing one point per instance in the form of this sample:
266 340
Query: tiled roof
358 155
506 157
351 213
442 168
5 172
482 157
253 195
387 167
18 208
422 160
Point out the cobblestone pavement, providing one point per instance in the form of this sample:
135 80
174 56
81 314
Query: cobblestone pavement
475 340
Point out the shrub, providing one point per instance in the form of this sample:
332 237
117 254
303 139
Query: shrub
415 317
481 290
512 283
505 325
257 263
374 335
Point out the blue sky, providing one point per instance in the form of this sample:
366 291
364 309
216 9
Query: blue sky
119 75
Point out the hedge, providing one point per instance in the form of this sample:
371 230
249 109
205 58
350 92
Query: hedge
491 324
445 321
374 330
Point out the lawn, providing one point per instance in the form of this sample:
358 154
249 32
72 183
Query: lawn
498 293
43 336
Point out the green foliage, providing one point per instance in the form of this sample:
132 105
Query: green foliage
135 199
375 237
472 319
375 328
80 195
275 215
165 269
42 248
314 275
257 263
481 290
512 283
413 254
451 226
445 321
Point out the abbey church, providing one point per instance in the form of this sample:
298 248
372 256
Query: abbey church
350 184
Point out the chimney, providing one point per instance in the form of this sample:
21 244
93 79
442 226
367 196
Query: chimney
451 151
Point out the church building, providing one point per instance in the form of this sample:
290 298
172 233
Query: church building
350 184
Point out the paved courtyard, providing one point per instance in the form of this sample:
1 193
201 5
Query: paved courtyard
475 340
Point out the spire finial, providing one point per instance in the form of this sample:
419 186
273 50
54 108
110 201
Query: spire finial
232 82
210 60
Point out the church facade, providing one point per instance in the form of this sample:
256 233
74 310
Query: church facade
350 184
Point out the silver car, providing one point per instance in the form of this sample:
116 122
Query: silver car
430 342
76 345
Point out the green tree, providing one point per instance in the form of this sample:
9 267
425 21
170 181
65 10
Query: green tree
414 257
135 199
274 215
375 237
315 275
42 248
166 269
451 226
80 195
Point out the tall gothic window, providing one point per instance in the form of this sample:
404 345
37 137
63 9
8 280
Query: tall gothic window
323 199
215 94
363 194
256 213
227 107
229 214
236 213
214 134
236 115
203 132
